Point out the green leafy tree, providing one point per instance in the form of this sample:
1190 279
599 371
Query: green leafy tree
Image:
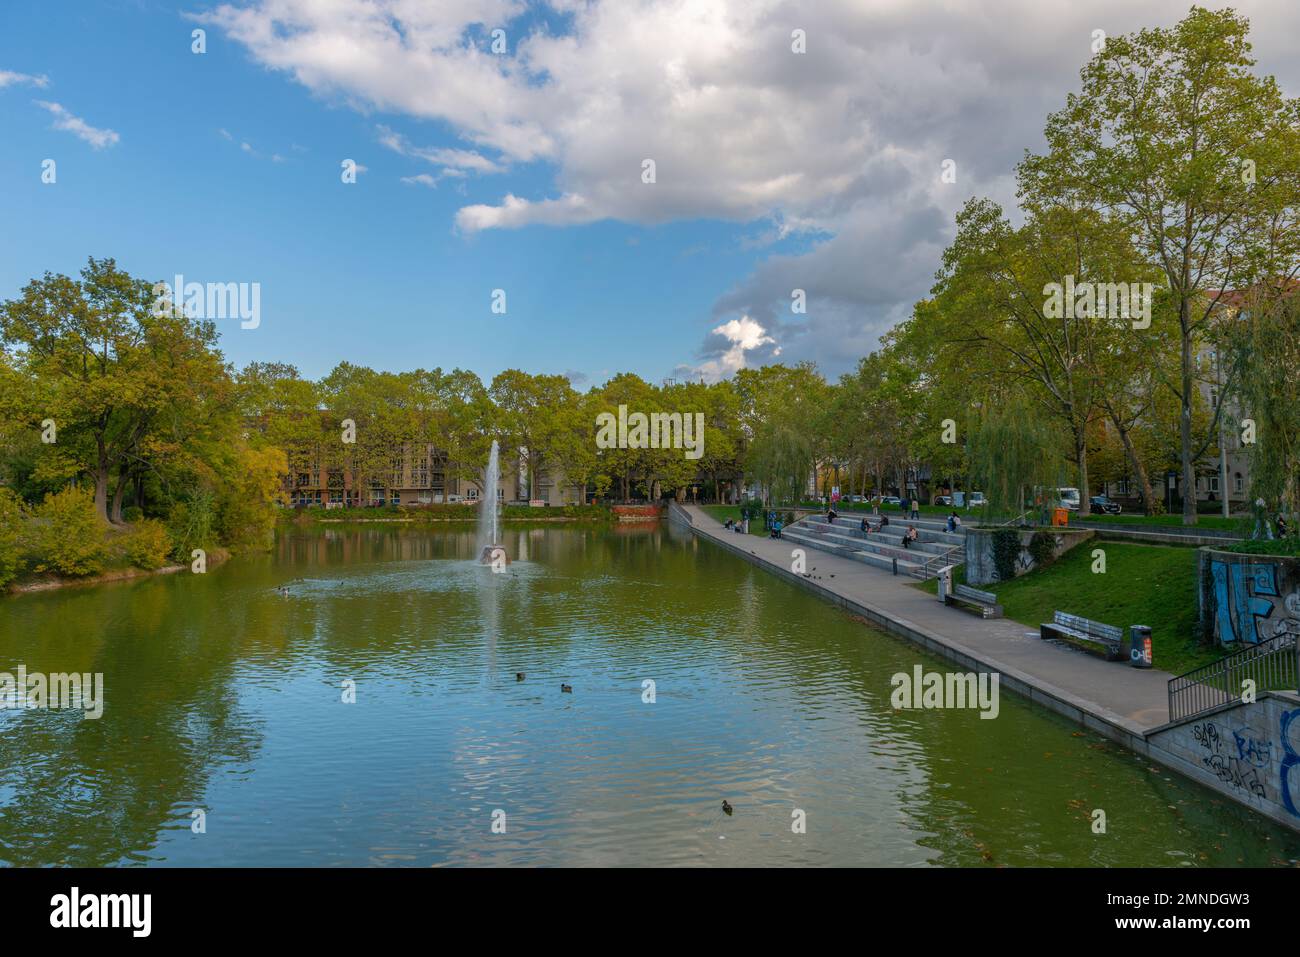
1180 144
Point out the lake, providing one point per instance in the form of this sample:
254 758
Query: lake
224 697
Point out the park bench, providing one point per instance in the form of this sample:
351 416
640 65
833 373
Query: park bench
1085 634
985 602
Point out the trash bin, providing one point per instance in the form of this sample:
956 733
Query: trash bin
1139 643
1060 516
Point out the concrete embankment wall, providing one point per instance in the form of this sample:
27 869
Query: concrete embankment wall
981 548
1248 752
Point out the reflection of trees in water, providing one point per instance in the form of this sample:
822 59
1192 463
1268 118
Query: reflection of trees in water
91 793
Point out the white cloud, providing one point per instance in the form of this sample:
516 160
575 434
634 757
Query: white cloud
65 120
842 144
420 179
9 78
733 343
452 161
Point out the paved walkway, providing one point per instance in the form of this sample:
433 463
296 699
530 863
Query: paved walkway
1132 699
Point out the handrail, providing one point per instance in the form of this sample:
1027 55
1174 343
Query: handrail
1273 665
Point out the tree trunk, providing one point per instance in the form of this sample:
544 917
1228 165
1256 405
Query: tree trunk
1185 417
101 481
1081 460
1135 463
115 515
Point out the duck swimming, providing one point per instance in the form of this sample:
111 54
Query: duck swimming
726 808
519 676
568 688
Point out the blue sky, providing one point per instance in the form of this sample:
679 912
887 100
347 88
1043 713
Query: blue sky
775 171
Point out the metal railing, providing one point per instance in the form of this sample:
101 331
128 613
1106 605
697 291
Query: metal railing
1272 664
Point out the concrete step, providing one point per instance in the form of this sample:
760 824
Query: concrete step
905 565
926 533
885 543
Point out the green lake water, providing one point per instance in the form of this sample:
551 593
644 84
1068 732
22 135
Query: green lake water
223 695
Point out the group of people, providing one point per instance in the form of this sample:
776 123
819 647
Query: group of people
741 526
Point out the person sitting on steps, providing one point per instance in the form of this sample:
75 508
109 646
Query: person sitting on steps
909 536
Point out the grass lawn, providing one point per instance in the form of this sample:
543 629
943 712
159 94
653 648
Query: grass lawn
724 512
1217 522
1143 585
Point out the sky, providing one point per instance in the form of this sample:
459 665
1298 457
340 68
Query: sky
502 145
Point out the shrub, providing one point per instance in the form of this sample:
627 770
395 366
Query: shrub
132 513
1006 550
68 536
147 544
12 519
1042 549
191 524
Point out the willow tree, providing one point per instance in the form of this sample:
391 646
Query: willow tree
1267 345
1014 456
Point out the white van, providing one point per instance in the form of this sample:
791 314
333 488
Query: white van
1069 498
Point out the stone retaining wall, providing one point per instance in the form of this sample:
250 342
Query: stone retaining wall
981 563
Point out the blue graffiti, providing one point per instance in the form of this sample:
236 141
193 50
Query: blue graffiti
1238 608
1289 759
1252 748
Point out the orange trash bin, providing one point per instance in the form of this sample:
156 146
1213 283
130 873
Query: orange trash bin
1060 516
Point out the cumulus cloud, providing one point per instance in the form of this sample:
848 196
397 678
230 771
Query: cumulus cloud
65 120
730 347
839 148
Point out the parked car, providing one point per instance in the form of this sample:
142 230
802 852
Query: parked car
945 500
891 500
976 500
1103 503
1069 498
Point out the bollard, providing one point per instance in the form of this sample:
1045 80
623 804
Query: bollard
895 563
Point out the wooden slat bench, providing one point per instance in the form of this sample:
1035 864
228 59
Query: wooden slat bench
1084 633
985 602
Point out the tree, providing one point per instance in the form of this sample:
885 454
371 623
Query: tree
96 361
1198 159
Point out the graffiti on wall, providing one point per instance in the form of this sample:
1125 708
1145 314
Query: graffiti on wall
1248 605
1238 763
1290 733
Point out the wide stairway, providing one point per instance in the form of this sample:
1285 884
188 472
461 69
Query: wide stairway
935 545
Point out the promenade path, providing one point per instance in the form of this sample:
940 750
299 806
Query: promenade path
1132 700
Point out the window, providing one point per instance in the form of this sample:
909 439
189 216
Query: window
1214 483
336 496
1238 485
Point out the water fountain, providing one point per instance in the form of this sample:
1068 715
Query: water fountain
491 551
